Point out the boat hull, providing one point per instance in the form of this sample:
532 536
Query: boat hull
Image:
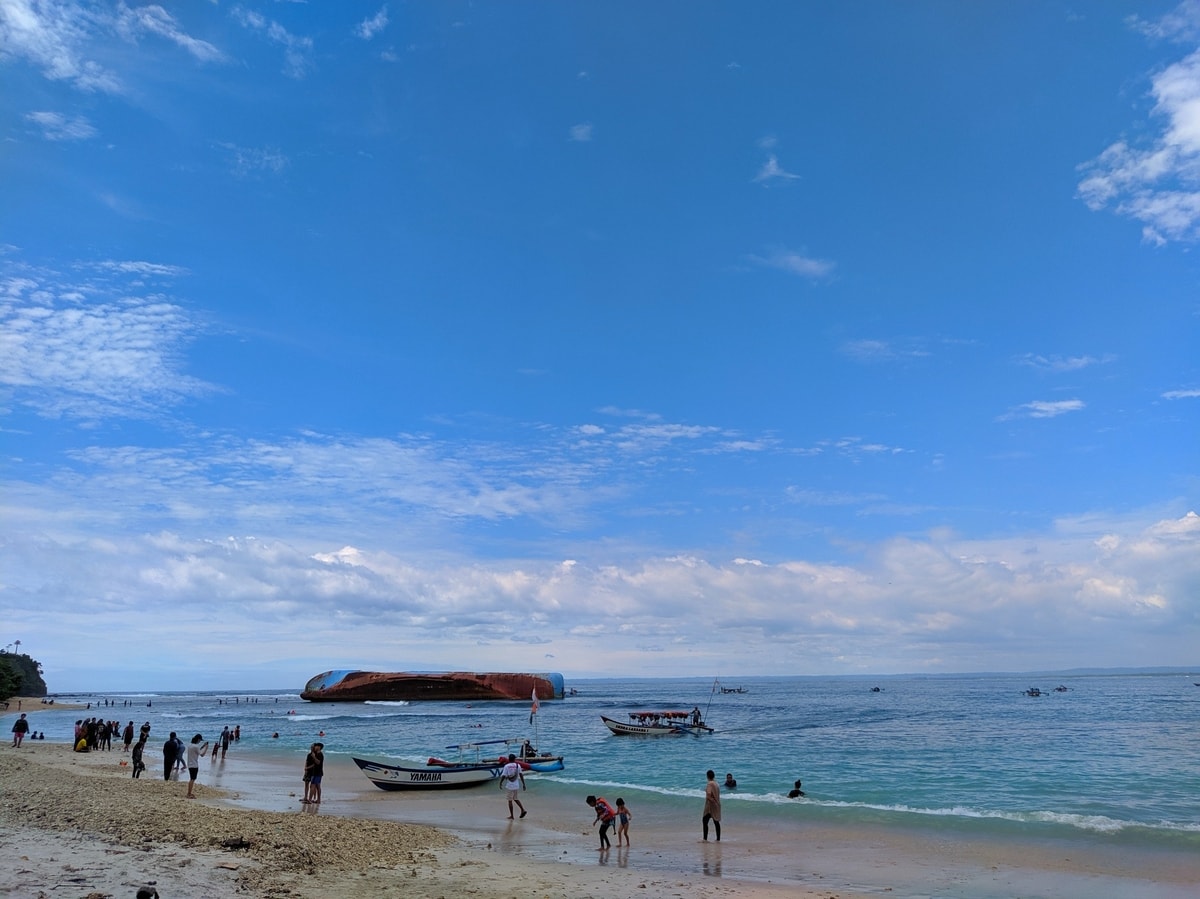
404 686
430 777
626 729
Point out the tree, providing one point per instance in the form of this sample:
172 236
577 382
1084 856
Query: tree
10 678
19 674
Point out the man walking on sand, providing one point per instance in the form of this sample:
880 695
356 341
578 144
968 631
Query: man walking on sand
19 729
712 805
512 778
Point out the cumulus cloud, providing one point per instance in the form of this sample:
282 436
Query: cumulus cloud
968 603
1157 182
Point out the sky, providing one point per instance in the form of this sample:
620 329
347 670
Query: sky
613 339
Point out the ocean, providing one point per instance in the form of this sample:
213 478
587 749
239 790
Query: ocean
1112 756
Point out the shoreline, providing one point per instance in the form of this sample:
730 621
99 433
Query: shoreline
460 839
18 704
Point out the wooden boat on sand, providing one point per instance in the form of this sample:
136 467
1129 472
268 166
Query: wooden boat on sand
430 777
469 769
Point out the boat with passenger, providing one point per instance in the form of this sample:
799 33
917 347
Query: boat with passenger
658 724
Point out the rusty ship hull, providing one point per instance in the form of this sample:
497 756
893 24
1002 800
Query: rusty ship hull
409 686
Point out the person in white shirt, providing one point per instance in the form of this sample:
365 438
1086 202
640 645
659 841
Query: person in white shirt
512 779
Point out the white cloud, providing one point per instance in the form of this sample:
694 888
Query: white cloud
873 350
153 19
581 133
370 27
90 350
1157 183
771 171
1061 364
56 126
967 602
1192 393
52 35
796 264
1180 24
1044 409
297 50
248 161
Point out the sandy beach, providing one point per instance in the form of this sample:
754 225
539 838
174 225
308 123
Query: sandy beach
77 825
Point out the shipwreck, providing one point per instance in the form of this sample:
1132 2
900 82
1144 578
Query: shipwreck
407 686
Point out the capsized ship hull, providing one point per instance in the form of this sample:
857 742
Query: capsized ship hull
397 686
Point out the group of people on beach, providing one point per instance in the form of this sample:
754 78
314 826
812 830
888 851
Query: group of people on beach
93 734
619 815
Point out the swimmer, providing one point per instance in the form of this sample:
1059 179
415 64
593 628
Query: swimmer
796 793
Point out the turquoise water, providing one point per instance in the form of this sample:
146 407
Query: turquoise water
1116 756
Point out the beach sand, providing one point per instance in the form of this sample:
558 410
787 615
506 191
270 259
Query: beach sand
77 825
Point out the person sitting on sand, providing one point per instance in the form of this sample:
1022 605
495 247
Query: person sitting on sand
795 793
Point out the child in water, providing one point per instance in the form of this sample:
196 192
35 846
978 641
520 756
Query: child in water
623 816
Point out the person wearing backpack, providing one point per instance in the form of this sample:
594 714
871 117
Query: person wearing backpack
512 780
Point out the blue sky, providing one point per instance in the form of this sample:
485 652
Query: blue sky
604 338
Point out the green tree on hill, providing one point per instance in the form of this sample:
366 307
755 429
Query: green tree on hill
19 674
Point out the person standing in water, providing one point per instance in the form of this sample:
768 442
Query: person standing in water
712 805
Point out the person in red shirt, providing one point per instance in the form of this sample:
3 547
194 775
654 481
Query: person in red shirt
605 815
